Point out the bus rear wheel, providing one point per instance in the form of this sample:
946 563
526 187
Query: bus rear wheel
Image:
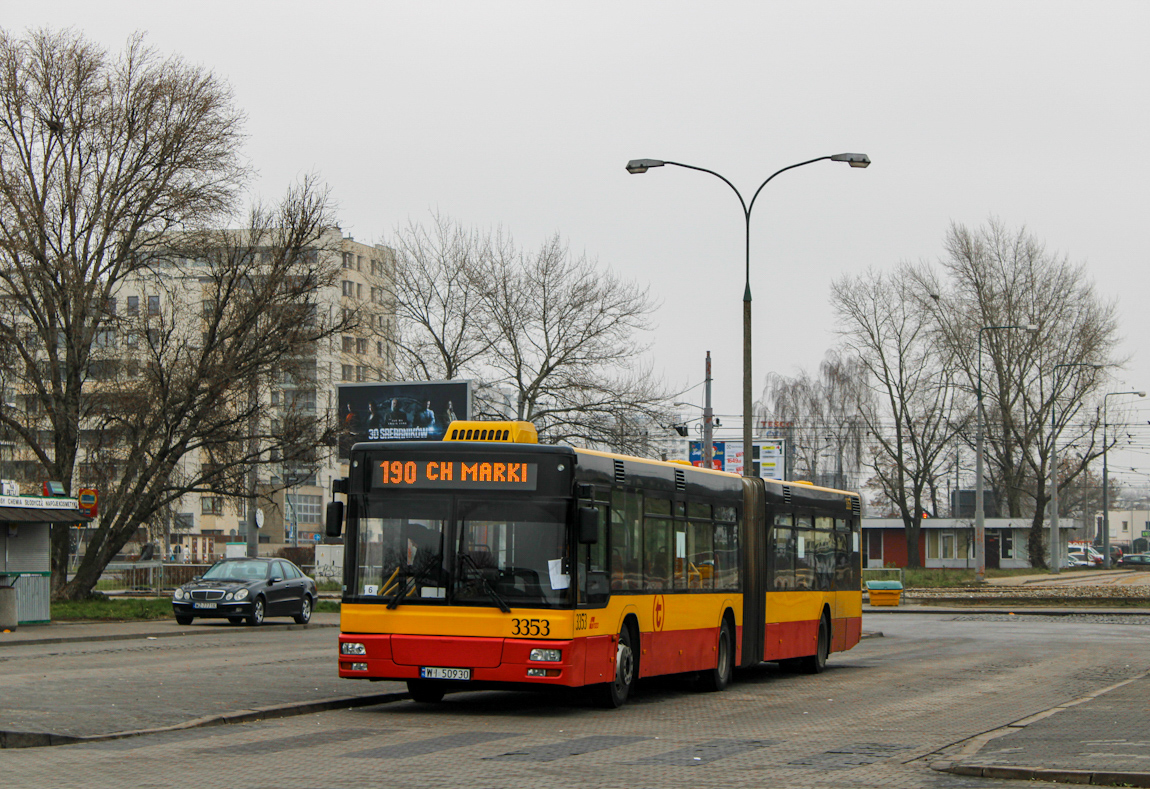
720 676
612 695
814 664
425 692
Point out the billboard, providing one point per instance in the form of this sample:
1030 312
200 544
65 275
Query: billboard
396 411
728 456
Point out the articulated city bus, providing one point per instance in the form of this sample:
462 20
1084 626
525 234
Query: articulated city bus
489 560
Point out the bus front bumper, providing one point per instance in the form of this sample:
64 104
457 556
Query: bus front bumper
487 660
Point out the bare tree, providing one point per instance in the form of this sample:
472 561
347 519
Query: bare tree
436 296
564 345
100 156
915 411
995 277
183 403
825 413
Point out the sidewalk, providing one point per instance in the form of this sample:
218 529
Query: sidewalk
1103 739
65 632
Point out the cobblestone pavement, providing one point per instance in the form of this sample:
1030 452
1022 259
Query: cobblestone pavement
878 717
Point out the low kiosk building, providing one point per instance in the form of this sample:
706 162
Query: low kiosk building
25 565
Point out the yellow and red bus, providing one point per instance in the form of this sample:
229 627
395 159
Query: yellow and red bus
489 560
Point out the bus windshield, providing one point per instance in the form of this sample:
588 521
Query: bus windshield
514 551
505 552
400 551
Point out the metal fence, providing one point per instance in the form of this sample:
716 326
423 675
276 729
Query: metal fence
160 577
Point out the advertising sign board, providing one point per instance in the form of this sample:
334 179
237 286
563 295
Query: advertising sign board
390 411
728 456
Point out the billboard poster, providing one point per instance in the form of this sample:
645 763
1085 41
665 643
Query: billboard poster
728 456
396 411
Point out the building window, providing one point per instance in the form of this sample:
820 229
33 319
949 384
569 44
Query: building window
347 260
348 288
306 508
948 545
299 399
359 291
359 262
379 348
153 305
1006 544
931 544
349 345
133 305
348 372
361 345
211 505
361 373
111 306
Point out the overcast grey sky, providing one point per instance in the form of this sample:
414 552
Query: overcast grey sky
523 115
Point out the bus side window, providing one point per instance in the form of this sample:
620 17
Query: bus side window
804 565
619 545
783 554
682 565
657 554
726 555
700 550
634 576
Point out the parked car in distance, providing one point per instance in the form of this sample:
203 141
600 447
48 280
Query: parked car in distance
1086 552
1135 561
246 590
1076 560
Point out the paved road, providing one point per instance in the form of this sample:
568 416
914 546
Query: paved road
879 717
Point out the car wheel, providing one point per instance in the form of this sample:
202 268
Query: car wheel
612 695
720 676
256 617
304 615
184 620
425 692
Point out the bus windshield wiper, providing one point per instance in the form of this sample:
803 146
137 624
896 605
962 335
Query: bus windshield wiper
503 606
400 588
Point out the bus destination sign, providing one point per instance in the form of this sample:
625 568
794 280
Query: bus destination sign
455 474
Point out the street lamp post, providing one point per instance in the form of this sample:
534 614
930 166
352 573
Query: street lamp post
636 166
979 517
1055 539
1106 479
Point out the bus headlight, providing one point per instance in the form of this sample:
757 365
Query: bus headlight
352 648
548 655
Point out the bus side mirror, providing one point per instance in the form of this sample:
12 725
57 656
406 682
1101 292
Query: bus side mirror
588 525
334 518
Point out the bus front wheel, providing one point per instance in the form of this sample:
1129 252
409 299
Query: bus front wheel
612 695
424 692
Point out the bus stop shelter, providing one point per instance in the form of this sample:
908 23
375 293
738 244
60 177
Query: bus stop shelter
25 564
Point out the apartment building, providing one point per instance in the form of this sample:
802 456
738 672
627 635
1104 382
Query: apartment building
294 492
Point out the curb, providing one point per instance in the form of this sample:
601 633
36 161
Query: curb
1017 611
1098 778
129 636
18 739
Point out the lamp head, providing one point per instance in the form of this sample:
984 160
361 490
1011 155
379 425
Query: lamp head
853 159
1031 327
636 166
1140 394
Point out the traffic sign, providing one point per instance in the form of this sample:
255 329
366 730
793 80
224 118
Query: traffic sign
1146 534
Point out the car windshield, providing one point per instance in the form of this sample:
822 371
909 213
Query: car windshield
512 552
243 570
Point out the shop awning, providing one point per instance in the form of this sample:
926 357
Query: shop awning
41 515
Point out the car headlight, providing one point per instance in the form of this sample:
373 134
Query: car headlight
549 655
242 594
352 648
178 594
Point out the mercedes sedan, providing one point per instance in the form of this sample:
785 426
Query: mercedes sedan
247 590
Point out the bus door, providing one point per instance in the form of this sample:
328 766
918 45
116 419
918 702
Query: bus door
593 575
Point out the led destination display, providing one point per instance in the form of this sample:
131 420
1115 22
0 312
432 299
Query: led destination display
456 474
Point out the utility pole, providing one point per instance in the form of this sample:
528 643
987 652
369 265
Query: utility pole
708 422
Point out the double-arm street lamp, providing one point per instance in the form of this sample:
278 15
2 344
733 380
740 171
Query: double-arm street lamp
636 166
1055 540
979 517
1106 479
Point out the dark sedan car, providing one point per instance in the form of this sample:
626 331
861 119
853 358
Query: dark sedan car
1135 561
247 589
